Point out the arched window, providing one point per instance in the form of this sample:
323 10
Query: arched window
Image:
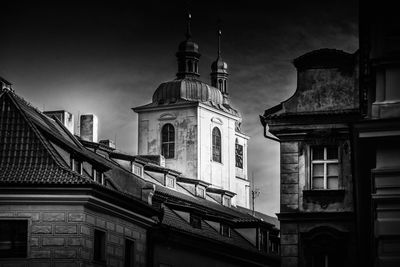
168 141
216 145
196 67
220 85
190 66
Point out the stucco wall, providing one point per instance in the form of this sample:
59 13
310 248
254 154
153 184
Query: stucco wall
185 122
323 90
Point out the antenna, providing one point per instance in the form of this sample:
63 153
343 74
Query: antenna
255 192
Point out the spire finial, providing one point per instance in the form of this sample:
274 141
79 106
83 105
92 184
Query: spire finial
188 31
219 37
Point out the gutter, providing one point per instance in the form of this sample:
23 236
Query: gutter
265 125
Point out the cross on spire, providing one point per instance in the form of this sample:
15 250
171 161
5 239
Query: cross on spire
188 31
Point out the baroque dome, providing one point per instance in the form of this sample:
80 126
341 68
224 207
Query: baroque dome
186 89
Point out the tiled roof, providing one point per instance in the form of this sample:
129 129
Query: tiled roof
172 219
48 176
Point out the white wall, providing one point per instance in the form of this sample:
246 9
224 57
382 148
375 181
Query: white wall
185 122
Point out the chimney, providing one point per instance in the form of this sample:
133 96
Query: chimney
65 117
89 127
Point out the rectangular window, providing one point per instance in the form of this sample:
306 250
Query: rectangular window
225 230
99 245
201 192
195 221
239 156
324 167
169 182
226 201
76 166
13 238
98 176
138 170
129 253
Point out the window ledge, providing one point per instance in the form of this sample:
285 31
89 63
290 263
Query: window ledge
323 197
323 192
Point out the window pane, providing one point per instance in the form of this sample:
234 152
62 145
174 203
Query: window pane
317 153
318 183
333 169
318 170
333 183
332 152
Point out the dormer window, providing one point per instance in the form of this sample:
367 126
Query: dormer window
225 230
201 191
226 201
76 166
169 181
137 169
195 221
98 176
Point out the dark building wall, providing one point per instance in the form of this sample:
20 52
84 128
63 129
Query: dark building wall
324 90
63 235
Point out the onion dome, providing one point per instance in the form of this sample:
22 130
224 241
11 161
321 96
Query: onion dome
186 89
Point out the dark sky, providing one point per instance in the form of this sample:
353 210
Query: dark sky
107 58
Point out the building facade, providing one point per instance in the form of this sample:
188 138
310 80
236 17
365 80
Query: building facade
193 125
317 201
340 154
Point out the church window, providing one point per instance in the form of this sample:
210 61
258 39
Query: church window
168 141
190 66
196 68
324 167
239 155
220 85
216 145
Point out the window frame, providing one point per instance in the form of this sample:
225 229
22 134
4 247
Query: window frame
240 166
325 161
168 142
214 145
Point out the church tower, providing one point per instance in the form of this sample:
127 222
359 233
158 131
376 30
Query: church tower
192 124
219 71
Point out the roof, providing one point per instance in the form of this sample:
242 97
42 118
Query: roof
188 91
28 155
324 58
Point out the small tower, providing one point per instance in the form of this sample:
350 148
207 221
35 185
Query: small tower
219 71
188 56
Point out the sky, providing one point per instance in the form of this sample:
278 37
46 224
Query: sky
105 58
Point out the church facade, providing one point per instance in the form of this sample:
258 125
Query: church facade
193 125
